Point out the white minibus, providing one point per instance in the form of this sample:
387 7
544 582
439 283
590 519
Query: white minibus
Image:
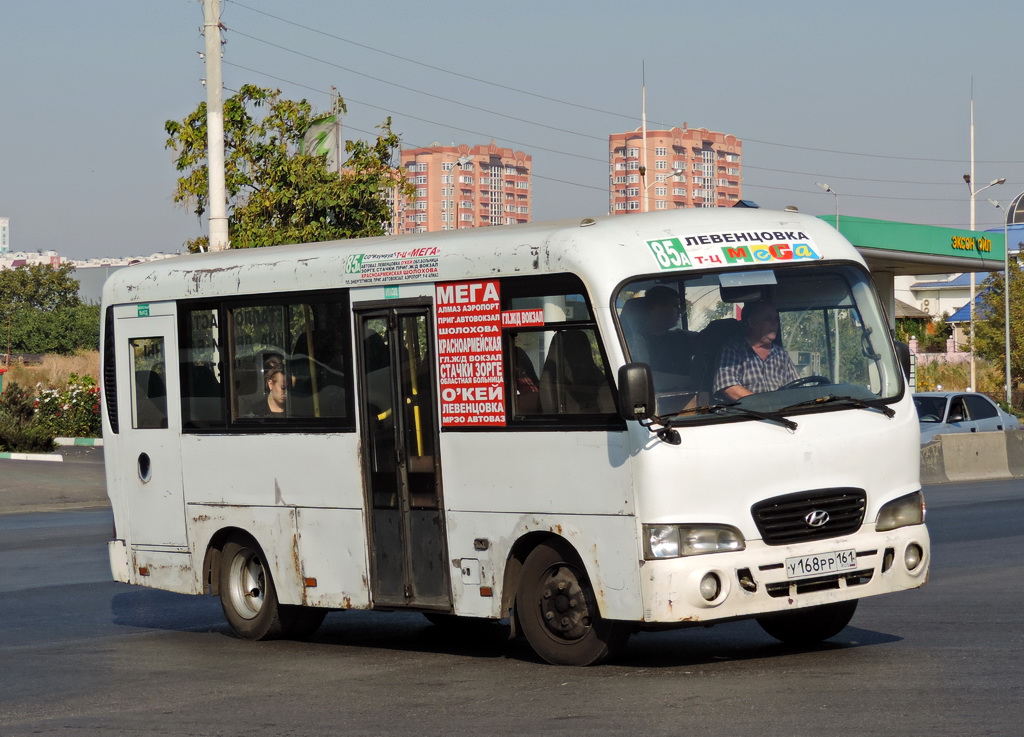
586 427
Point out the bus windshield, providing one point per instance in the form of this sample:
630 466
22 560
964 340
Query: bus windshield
792 340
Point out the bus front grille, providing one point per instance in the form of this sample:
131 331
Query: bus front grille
809 515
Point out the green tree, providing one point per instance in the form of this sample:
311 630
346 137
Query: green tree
989 336
40 286
41 312
275 194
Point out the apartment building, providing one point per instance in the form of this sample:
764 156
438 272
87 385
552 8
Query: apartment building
465 187
679 167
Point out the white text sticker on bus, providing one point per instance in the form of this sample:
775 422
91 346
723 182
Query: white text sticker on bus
472 380
522 318
414 264
735 248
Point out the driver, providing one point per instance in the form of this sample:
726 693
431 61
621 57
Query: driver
754 362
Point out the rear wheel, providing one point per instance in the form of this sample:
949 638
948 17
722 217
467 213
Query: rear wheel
247 592
809 626
249 599
558 612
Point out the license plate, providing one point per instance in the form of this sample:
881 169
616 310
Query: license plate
807 566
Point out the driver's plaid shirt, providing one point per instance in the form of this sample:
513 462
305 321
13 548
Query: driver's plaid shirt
739 365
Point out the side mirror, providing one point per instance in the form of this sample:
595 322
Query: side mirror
955 417
903 356
636 392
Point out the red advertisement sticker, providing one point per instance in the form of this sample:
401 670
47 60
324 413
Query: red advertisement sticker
522 318
472 379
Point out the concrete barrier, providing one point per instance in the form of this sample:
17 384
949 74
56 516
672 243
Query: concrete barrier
1015 452
979 456
933 469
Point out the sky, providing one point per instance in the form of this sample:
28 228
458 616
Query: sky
872 98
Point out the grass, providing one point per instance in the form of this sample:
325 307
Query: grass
53 371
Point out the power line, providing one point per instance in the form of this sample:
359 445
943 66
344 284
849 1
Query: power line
533 173
412 89
746 183
414 117
545 97
431 66
534 147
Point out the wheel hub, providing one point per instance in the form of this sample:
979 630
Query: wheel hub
564 606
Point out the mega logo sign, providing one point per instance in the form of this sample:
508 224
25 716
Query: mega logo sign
724 249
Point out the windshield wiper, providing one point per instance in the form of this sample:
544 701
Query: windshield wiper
846 399
721 409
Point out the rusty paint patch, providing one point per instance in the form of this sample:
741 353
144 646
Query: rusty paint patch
297 564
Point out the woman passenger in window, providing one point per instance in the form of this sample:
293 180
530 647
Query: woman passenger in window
277 393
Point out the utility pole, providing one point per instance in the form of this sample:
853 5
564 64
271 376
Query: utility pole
218 217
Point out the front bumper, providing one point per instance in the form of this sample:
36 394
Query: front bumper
754 581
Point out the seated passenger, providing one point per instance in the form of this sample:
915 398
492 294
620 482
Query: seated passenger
277 391
655 340
754 362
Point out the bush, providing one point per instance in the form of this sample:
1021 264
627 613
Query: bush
20 432
17 402
72 412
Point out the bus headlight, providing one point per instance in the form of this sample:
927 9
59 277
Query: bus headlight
907 510
676 541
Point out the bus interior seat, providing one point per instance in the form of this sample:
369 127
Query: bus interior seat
571 382
525 383
713 338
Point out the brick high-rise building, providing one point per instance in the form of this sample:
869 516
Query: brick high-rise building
465 187
683 167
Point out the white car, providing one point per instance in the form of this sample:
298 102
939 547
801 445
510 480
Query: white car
946 412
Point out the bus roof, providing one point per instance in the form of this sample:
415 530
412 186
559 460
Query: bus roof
602 250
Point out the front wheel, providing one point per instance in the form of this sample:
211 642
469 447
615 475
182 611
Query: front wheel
809 626
558 612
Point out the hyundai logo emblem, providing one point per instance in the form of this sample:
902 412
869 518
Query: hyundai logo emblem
817 518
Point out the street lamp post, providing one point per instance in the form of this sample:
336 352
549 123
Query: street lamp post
832 192
643 175
968 178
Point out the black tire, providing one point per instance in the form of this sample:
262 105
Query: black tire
558 612
247 593
809 626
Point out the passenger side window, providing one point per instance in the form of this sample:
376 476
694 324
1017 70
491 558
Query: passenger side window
281 362
556 366
148 383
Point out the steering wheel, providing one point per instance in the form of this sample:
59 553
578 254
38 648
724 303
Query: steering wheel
807 381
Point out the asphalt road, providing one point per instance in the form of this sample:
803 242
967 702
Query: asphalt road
77 482
83 655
